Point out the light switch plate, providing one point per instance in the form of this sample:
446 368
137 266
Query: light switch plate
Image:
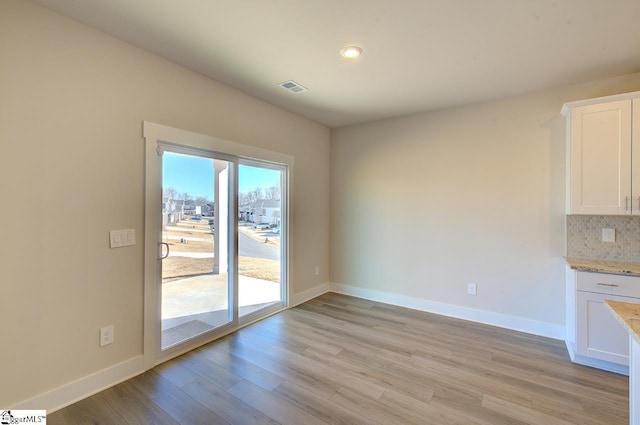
608 235
120 238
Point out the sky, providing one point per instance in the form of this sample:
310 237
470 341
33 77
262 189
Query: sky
194 175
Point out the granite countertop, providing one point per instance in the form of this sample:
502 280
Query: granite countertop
604 266
628 315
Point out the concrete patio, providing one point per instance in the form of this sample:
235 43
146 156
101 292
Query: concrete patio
197 304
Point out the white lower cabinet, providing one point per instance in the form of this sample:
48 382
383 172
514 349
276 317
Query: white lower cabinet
596 338
634 382
599 335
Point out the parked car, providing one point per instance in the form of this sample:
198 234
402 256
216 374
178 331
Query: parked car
196 218
261 226
211 222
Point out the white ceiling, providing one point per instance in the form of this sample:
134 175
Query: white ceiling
419 55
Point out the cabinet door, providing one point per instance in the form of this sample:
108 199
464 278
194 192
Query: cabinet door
600 158
635 155
634 382
599 335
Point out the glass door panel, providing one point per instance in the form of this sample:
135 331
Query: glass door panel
260 215
196 284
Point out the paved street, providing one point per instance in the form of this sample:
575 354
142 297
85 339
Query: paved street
247 247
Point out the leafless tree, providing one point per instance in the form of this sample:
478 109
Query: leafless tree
201 200
252 195
272 193
169 192
243 199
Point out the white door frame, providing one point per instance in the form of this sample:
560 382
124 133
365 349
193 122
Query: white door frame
153 134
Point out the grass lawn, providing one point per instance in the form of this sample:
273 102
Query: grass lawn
197 239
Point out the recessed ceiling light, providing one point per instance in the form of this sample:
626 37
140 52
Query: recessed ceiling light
351 52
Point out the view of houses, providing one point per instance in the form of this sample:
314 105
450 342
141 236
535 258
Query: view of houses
262 211
174 210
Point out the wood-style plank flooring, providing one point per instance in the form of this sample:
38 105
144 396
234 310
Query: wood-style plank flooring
344 360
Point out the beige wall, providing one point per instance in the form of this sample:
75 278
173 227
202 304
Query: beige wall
420 205
72 102
424 204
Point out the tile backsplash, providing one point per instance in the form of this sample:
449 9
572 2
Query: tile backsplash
584 237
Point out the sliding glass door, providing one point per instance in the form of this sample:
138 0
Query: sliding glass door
215 238
197 283
260 230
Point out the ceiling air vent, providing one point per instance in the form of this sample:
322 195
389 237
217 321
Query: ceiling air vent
293 87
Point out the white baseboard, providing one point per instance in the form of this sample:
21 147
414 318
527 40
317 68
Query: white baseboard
84 387
601 364
534 327
570 349
598 364
87 386
309 294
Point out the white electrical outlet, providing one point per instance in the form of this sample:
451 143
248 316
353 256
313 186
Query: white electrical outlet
608 235
472 289
317 271
106 335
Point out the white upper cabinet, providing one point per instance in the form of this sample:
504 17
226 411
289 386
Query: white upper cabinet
635 158
602 175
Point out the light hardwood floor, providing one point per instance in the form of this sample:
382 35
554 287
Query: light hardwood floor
344 360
